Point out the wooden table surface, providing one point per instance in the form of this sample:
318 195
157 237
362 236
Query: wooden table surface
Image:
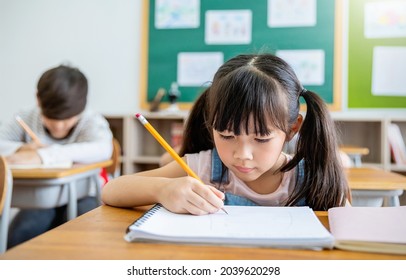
99 234
48 173
375 179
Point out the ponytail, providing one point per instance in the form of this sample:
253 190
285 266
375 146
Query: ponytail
196 136
324 184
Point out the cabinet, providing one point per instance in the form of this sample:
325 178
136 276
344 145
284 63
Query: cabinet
401 122
140 151
371 131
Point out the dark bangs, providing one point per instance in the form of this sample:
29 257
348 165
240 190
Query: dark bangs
243 93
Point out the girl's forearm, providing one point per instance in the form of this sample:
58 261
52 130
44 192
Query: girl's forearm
133 190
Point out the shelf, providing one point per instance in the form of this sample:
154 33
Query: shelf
140 151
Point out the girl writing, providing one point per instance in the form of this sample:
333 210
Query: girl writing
234 141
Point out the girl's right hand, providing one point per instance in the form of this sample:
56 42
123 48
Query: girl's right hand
32 146
189 195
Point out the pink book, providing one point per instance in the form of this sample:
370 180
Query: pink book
370 229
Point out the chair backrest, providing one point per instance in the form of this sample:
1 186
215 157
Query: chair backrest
114 169
3 183
6 189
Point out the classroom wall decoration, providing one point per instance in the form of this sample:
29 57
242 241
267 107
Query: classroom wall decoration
377 54
186 42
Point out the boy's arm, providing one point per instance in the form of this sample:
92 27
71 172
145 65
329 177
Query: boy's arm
91 141
83 152
11 138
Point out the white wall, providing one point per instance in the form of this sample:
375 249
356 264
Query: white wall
100 37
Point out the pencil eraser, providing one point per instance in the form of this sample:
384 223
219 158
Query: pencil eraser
137 115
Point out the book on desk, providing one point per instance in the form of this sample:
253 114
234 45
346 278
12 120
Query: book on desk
259 226
370 229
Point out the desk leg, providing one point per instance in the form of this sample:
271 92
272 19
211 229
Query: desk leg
72 203
357 160
393 200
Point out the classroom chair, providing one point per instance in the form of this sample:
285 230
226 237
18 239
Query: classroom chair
114 169
6 190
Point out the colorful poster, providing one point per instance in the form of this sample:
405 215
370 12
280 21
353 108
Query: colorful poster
308 65
171 14
228 27
388 71
385 19
292 13
198 68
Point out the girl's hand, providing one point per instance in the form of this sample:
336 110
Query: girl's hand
188 195
24 157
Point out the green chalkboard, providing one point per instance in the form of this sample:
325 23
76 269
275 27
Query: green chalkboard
360 59
162 46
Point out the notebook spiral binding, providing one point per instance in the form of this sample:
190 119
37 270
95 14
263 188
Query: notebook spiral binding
147 215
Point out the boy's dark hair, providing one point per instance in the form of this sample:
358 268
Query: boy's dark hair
62 92
265 87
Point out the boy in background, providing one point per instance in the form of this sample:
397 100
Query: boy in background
66 132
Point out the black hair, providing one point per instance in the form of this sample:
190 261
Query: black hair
62 92
265 87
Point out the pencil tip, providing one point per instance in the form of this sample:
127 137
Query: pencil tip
137 115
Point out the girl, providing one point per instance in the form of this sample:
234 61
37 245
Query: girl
233 141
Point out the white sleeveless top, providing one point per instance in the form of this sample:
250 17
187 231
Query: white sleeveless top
201 164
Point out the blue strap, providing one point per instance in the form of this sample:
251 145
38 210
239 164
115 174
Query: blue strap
217 169
232 199
300 172
300 177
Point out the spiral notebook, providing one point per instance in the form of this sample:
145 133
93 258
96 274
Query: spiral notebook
256 226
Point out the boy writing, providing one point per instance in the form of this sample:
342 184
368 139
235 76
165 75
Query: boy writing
67 132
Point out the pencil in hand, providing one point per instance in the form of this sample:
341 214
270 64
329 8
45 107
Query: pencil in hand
168 148
28 130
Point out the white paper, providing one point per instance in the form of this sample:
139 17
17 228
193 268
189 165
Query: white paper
60 165
288 227
307 64
282 13
171 14
228 27
389 71
385 19
198 68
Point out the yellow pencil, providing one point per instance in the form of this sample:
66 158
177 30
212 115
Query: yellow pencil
168 148
27 129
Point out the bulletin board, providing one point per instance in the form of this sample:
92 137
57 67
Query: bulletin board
377 35
161 46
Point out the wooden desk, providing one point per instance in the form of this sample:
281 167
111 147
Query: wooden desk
48 188
99 234
371 186
355 153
